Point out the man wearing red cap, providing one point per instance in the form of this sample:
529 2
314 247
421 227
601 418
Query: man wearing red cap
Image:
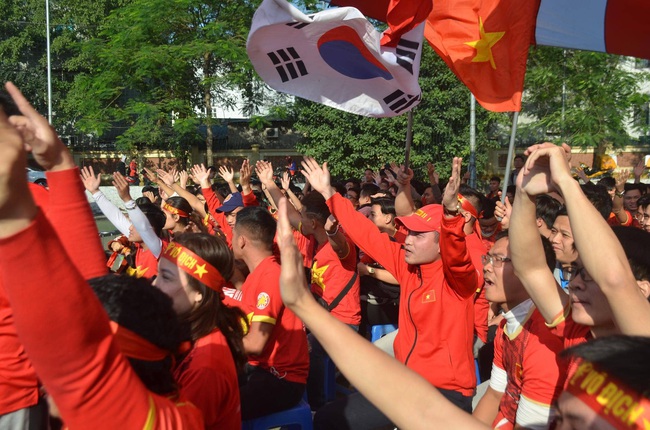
437 280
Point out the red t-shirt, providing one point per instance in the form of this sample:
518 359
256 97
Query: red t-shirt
330 274
571 334
476 249
285 354
530 360
66 333
207 377
436 321
146 264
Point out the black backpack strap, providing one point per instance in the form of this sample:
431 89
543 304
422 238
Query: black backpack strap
343 292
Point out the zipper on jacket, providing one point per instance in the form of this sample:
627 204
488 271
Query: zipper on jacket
415 338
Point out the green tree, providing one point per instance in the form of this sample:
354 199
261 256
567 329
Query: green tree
352 143
586 99
155 62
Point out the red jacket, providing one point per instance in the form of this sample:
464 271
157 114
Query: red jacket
436 322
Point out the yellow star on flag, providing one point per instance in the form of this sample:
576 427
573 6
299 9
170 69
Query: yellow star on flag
484 45
200 270
317 275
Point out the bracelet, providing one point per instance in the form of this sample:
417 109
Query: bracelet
618 193
335 231
130 205
454 212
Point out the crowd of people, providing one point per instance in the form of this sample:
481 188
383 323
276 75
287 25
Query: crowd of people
218 305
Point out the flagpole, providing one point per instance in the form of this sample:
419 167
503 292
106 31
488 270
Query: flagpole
409 139
472 141
511 150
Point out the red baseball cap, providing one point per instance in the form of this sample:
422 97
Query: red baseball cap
427 218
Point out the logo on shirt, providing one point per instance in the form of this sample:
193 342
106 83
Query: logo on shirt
263 301
318 274
429 296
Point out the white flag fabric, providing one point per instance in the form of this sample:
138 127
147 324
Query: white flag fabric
334 57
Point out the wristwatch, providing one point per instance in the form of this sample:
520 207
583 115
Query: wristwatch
453 212
371 270
618 193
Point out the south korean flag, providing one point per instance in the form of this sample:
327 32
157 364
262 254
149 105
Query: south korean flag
335 57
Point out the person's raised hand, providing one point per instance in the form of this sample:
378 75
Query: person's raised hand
38 135
450 196
166 177
546 168
639 168
227 174
318 176
149 195
293 287
582 175
621 178
151 176
502 213
245 173
434 177
285 181
202 175
183 176
264 170
376 176
122 187
90 181
17 208
404 176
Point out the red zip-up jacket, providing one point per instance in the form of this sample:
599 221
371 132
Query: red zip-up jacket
436 313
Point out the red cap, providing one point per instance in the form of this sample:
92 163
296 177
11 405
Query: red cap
428 218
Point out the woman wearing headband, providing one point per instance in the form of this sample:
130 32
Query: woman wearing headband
178 214
193 271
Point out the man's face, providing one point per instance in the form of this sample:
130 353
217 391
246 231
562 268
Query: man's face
236 249
629 200
573 413
422 247
519 163
562 240
501 284
383 186
377 216
494 185
589 306
427 197
231 217
353 197
368 175
643 217
488 226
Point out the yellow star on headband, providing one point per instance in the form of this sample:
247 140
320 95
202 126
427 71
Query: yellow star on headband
200 270
484 45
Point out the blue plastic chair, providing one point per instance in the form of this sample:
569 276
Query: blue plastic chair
379 331
297 418
478 373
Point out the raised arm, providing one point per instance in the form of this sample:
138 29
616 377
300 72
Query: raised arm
264 171
405 397
526 247
286 186
404 205
434 180
617 204
228 175
114 215
598 248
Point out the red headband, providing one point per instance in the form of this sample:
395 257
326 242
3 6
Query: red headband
467 206
612 400
135 346
194 266
174 210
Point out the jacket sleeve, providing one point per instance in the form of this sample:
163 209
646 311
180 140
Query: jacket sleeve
366 235
250 199
66 334
460 273
70 215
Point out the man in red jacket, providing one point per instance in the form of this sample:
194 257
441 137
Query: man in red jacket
437 280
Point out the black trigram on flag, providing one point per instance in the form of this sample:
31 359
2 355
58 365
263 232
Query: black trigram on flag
398 101
405 52
288 64
297 25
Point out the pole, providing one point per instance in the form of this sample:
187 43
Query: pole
409 139
472 141
511 150
49 62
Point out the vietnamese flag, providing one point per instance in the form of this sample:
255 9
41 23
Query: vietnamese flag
485 43
401 16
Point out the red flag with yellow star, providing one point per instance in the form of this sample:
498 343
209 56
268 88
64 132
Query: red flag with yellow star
485 43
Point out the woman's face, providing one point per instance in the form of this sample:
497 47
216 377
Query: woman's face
173 282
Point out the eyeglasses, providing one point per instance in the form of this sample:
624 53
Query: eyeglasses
494 260
641 217
571 272
351 197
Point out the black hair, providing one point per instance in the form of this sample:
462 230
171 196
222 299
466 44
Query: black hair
519 156
386 204
547 208
635 243
489 205
474 197
152 189
495 178
598 196
368 190
8 104
155 215
136 305
631 187
181 204
340 188
212 312
623 357
549 253
607 182
315 207
258 224
643 201
142 201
